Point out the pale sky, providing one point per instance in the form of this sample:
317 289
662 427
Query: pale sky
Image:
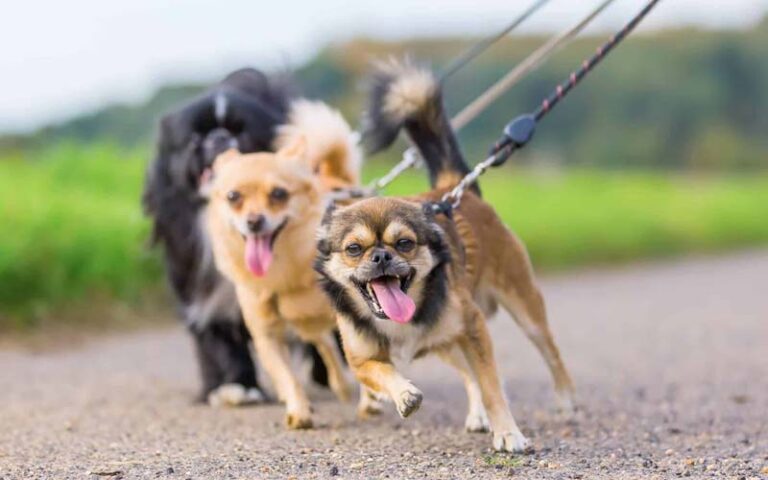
61 58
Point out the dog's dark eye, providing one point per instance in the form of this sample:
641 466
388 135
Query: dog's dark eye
354 249
405 245
278 194
233 196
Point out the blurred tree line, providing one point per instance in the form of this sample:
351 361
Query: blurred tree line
677 99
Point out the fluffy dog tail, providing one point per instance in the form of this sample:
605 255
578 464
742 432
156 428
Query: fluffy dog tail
332 147
404 96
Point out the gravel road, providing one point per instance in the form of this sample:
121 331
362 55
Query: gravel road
670 363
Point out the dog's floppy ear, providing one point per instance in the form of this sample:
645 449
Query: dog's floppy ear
335 164
435 235
323 244
297 149
328 215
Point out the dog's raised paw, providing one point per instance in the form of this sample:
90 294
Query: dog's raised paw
409 401
514 442
235 395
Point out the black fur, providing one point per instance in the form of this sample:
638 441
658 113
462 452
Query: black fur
255 106
223 354
428 126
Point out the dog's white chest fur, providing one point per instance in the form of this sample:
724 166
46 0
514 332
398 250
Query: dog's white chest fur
406 341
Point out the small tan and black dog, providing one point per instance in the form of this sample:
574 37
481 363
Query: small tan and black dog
406 282
264 211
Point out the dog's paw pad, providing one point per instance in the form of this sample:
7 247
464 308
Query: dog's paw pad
296 421
235 395
477 422
409 401
514 442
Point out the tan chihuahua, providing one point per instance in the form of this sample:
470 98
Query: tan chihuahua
263 214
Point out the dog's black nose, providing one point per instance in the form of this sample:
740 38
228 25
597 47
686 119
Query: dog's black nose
381 256
255 223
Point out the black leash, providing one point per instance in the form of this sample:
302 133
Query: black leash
519 131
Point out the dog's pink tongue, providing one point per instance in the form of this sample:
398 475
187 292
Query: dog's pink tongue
258 254
396 304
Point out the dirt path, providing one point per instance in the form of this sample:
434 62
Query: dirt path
670 361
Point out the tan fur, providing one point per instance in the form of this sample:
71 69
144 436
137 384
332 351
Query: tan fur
490 266
287 297
447 179
411 92
332 151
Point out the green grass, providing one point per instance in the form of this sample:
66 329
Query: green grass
583 217
501 460
73 228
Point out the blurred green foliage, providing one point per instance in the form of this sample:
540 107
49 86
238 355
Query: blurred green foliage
679 99
685 101
73 227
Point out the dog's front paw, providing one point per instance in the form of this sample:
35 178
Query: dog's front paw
298 420
477 422
409 401
513 441
235 395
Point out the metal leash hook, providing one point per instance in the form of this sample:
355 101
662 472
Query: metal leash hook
411 158
516 135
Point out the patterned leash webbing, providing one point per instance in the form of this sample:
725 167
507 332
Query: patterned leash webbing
529 64
602 51
520 131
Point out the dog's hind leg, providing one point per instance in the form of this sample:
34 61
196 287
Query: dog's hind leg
524 302
477 419
210 370
228 370
369 404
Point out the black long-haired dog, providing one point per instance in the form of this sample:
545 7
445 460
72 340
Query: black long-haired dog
242 112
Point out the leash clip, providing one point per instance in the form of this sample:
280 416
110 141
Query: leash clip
443 207
516 135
